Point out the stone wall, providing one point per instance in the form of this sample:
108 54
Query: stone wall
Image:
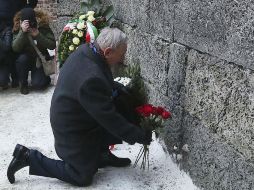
50 6
197 60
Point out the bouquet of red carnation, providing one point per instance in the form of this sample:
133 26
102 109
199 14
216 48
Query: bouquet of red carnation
152 119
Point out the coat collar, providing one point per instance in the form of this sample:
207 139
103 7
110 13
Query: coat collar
100 60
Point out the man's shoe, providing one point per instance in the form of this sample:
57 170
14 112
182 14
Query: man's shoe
20 160
109 159
24 89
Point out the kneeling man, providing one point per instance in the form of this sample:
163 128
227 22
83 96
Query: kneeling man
83 116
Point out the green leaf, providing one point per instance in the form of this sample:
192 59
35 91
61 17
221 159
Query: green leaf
90 5
96 5
111 21
84 6
109 12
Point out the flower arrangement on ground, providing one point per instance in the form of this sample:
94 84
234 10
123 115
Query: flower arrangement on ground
84 27
149 117
152 120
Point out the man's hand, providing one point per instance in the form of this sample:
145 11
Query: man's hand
148 137
33 32
25 25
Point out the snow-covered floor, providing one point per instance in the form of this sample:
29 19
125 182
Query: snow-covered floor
25 120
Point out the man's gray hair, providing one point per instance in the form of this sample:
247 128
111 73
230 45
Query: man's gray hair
111 37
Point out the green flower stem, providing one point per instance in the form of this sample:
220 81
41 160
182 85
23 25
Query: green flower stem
144 153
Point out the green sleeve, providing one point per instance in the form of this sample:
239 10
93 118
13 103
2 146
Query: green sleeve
46 39
20 41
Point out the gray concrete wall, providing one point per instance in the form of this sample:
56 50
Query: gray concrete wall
197 60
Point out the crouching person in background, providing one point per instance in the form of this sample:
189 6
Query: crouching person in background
36 24
6 61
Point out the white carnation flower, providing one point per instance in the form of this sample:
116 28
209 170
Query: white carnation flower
123 80
90 13
90 18
117 79
76 40
71 47
75 31
81 25
80 34
82 17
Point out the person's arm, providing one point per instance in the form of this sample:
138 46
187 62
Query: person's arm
46 38
5 44
95 97
19 42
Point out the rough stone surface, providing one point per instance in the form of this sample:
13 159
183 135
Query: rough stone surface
174 101
196 58
152 54
153 17
65 8
222 96
221 28
59 25
212 163
176 74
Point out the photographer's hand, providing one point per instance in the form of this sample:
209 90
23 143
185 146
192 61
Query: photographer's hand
25 26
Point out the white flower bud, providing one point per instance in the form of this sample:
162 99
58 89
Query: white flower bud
185 148
179 157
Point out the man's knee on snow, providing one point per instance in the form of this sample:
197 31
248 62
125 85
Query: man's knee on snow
84 181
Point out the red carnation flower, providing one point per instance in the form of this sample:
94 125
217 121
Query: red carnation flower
155 112
160 110
166 115
147 110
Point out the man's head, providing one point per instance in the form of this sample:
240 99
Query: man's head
113 43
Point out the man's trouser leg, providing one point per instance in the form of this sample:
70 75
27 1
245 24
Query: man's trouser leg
40 165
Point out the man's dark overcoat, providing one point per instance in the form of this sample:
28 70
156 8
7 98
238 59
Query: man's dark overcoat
82 111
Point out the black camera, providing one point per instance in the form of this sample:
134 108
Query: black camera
32 24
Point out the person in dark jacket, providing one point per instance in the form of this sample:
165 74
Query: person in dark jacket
5 50
8 8
83 116
36 24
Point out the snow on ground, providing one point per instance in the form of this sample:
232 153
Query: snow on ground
25 120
